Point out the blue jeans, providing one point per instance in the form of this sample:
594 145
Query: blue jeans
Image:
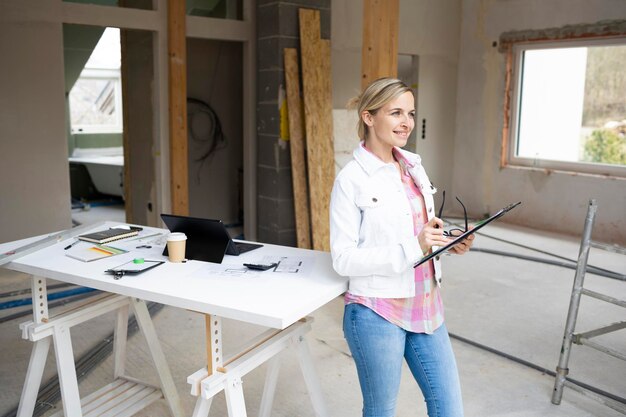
378 348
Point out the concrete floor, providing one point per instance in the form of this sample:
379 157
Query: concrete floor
515 306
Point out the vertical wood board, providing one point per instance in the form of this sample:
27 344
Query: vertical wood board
209 335
318 122
379 56
297 148
177 62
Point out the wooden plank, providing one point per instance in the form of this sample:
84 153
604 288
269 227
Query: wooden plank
508 91
214 351
96 400
177 63
297 146
319 124
209 353
379 56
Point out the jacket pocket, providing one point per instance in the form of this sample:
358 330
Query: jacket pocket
369 200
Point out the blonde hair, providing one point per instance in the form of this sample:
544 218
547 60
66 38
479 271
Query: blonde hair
374 97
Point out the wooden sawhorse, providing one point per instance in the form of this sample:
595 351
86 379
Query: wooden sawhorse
125 395
227 374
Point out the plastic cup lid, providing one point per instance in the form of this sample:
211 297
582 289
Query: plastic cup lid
176 236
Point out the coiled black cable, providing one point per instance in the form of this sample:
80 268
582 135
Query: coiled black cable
213 140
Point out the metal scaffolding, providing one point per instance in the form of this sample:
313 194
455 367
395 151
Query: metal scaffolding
585 338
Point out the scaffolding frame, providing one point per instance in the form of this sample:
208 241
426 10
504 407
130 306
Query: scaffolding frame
584 339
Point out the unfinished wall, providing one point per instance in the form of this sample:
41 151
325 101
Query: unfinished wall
214 75
551 201
34 174
138 85
277 28
427 29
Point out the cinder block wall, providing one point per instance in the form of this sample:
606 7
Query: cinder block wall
277 28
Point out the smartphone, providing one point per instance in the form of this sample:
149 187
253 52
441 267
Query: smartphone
260 267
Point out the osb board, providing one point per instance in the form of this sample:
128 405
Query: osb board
318 123
297 146
379 57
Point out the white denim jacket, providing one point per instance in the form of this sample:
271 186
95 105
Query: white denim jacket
371 225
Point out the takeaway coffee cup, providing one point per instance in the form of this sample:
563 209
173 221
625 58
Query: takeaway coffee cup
176 246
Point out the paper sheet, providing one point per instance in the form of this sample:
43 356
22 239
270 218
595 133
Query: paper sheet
287 266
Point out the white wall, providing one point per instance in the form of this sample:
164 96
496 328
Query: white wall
428 29
551 200
34 173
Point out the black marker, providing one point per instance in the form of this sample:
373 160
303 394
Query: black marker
71 244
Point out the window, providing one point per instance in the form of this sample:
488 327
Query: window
96 97
569 106
222 9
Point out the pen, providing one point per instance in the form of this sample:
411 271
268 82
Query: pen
144 237
71 244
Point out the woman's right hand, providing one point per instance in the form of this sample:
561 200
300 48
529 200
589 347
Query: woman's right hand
432 235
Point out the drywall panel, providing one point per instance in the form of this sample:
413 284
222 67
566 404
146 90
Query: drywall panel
434 119
139 145
551 201
34 172
344 133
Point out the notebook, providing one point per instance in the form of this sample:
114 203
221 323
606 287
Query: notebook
207 239
106 236
88 253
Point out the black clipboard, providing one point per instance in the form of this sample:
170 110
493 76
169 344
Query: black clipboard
133 268
461 237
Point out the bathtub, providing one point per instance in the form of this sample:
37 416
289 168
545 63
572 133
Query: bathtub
106 170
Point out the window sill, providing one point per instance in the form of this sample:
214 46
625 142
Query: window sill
549 171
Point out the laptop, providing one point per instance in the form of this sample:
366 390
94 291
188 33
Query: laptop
207 239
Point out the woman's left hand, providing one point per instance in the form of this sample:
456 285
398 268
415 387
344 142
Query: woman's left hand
464 245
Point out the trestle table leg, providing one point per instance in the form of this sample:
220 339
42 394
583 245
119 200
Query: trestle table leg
234 397
271 378
36 367
310 378
120 338
67 371
203 406
167 382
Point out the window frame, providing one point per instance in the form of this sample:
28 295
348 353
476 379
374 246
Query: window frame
110 75
510 138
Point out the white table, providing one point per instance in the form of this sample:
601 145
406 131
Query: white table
278 301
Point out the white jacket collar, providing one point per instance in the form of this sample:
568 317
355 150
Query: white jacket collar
370 162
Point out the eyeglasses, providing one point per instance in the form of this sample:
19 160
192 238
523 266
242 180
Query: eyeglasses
447 233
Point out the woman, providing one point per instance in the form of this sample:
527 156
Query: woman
382 223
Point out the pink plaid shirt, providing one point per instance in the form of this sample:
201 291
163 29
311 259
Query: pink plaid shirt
422 313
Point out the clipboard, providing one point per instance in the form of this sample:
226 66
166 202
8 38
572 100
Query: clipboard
461 237
132 268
